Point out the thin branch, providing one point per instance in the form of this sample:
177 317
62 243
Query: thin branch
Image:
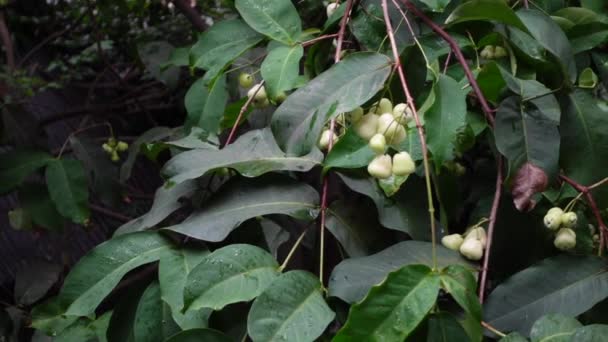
109 213
459 56
491 225
191 14
5 35
526 4
319 38
241 113
332 126
492 329
293 249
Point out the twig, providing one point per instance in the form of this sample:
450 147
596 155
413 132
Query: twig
319 38
240 116
5 35
421 134
109 213
332 126
191 14
492 329
491 225
293 249
459 56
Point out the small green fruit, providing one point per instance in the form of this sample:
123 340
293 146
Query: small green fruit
122 146
500 52
553 218
106 147
387 125
281 97
471 249
367 126
403 164
453 241
378 143
115 157
487 52
569 219
326 136
245 80
565 239
112 142
331 8
380 167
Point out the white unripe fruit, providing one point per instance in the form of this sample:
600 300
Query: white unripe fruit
487 52
403 164
565 239
568 219
325 138
380 167
367 126
471 249
500 52
402 113
453 241
478 234
553 218
378 143
387 125
331 8
356 114
398 137
259 96
384 106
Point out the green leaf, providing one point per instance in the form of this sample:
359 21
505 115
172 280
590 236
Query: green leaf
205 104
281 68
350 152
173 271
298 122
554 328
292 308
36 201
514 337
277 19
245 199
274 235
436 5
444 118
357 231
444 327
253 154
153 321
394 308
460 283
198 335
16 165
591 333
152 135
587 79
583 156
235 273
398 212
485 10
67 184
34 280
352 278
86 329
221 44
153 55
565 284
50 318
392 184
96 274
166 201
524 134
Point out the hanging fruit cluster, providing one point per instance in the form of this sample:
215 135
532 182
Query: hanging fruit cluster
471 244
113 147
562 222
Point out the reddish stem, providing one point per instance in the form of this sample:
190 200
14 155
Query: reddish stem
526 4
5 35
459 56
241 113
491 224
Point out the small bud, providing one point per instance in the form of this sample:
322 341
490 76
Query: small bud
380 167
568 219
122 146
403 164
331 8
378 143
367 126
245 80
453 241
472 249
565 239
325 138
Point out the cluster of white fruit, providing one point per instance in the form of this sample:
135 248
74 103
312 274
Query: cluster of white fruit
113 147
257 91
563 222
493 52
471 244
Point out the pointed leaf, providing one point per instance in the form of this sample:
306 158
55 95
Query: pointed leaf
16 165
292 308
554 328
153 321
166 201
445 118
485 10
591 333
68 187
198 335
235 273
444 327
36 201
564 284
205 104
298 122
252 155
352 278
245 199
461 284
96 274
394 308
274 235
173 271
281 68
277 19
